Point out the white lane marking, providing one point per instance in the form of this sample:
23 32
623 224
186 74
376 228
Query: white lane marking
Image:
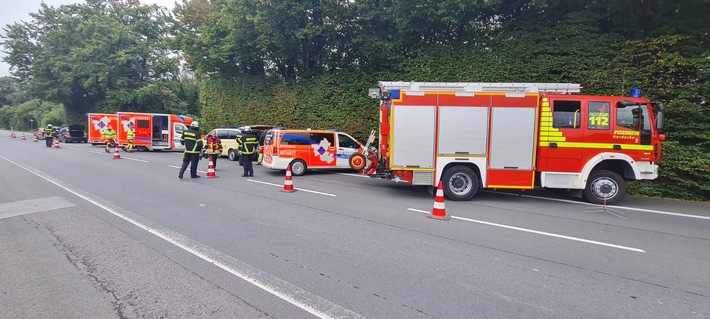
30 206
356 175
660 212
539 232
300 189
312 303
178 167
122 157
74 148
134 159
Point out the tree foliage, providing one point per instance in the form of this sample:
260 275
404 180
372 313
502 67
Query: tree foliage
93 56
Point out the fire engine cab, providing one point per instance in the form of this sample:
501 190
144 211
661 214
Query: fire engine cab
513 136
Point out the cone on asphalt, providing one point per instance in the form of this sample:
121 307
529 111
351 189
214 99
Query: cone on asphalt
23 136
439 210
288 183
35 139
56 143
116 155
13 134
210 169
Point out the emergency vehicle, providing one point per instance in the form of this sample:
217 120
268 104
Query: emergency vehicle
513 136
308 149
153 131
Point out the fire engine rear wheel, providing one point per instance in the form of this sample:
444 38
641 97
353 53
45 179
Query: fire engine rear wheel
357 161
232 154
298 167
603 184
460 183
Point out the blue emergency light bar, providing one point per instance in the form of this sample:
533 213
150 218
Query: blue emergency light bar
635 93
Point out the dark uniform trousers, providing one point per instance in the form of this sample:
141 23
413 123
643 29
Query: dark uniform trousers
191 159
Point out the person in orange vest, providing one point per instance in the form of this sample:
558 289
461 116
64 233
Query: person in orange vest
213 149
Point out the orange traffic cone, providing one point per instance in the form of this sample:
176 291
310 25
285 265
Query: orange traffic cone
35 139
439 210
13 134
288 183
116 155
210 169
56 143
23 136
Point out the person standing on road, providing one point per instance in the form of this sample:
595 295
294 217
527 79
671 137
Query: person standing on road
213 148
49 135
248 142
193 144
109 136
131 136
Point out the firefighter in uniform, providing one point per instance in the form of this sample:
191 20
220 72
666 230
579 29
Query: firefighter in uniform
49 135
109 136
213 148
193 144
131 136
248 142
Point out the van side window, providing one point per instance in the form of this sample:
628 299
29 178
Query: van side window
318 137
296 139
598 115
179 129
142 124
223 135
347 141
565 114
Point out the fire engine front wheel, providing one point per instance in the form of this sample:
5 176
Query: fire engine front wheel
298 167
460 183
604 186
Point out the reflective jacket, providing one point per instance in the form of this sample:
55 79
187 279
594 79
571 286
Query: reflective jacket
192 141
130 134
109 134
214 145
248 143
48 133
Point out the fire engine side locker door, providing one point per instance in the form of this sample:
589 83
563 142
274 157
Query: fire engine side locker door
512 142
412 147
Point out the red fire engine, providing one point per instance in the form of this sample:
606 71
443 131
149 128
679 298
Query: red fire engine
513 136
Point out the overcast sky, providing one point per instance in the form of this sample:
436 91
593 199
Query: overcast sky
19 10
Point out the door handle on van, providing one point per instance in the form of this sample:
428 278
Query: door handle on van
553 145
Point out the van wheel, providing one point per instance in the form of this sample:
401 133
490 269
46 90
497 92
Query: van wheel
357 161
233 156
460 183
298 167
602 185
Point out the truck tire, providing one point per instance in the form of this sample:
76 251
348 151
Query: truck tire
357 161
298 167
603 184
460 183
232 154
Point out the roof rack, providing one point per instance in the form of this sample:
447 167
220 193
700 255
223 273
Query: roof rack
473 87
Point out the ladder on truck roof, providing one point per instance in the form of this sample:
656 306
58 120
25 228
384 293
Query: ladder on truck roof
473 87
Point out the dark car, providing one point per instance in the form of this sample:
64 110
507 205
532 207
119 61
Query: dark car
73 133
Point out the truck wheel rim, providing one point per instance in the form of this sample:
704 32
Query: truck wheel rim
460 184
604 188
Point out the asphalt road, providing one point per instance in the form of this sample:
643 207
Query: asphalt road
83 235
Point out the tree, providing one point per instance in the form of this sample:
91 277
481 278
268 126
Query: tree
91 56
